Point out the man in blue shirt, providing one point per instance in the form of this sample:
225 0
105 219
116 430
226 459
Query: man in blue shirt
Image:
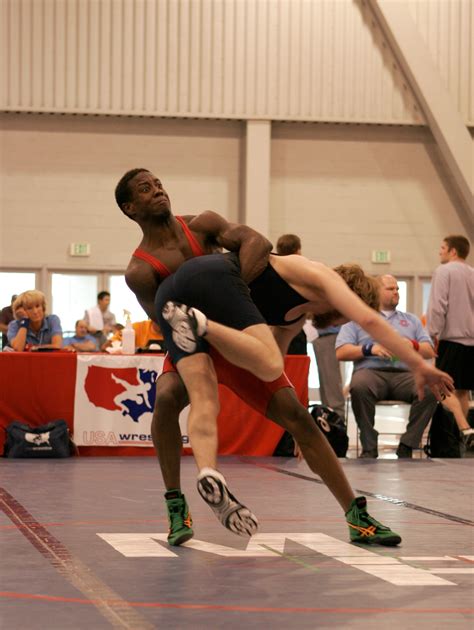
378 375
82 340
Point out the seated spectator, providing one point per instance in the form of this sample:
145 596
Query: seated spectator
6 316
330 381
82 341
378 375
18 313
146 332
100 321
35 330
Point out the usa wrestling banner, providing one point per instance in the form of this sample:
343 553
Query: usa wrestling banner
115 398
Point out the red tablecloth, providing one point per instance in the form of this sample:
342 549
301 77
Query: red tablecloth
38 388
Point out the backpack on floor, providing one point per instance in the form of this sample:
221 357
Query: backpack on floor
47 440
329 422
444 437
333 427
285 447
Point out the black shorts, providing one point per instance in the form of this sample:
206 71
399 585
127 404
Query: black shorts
458 361
213 285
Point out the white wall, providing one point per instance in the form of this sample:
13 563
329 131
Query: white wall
280 59
347 190
58 174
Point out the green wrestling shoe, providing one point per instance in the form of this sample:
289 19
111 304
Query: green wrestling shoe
179 518
365 529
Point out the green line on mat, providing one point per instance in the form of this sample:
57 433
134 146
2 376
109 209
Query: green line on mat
291 558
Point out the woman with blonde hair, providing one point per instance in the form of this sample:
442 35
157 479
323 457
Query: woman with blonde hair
35 330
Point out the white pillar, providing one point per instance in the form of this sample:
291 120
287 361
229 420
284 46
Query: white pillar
257 176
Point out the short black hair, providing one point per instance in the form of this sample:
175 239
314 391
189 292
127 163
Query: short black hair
459 243
288 244
122 191
102 294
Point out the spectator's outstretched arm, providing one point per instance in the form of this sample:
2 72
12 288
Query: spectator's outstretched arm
82 346
426 350
56 343
354 352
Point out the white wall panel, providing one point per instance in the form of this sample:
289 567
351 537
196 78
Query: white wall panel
447 27
347 190
58 175
320 60
277 59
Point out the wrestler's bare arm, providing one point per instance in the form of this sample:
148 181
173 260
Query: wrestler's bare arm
141 279
340 298
327 284
253 248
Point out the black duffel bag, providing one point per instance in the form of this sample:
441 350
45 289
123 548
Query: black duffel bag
333 427
48 440
444 437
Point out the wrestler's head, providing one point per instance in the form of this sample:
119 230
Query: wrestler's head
141 196
364 286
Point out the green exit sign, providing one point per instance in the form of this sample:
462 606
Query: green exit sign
381 256
80 249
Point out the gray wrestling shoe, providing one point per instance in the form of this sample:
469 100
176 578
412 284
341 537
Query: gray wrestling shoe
468 438
188 325
231 513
